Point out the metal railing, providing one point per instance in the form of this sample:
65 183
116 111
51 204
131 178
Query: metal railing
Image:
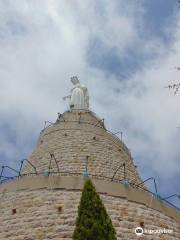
124 181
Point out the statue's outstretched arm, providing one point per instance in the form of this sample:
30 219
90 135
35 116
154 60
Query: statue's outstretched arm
64 98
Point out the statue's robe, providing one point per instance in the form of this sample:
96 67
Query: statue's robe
77 100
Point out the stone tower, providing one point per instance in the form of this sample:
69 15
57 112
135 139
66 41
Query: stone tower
41 203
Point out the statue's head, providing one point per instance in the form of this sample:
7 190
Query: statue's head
75 80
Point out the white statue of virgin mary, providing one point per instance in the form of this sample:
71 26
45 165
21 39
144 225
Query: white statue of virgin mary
79 98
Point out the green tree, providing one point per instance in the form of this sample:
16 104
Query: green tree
93 222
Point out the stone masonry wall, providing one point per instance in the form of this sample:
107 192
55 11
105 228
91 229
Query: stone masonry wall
72 139
50 214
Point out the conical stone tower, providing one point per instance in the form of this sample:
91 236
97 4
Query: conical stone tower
42 202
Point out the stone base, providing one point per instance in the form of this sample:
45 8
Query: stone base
49 212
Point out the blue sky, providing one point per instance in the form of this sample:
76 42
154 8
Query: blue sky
123 51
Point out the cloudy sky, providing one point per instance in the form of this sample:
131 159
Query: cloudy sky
124 51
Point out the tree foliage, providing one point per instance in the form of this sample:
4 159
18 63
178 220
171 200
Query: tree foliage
93 222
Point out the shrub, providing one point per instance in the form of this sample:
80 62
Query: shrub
93 222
